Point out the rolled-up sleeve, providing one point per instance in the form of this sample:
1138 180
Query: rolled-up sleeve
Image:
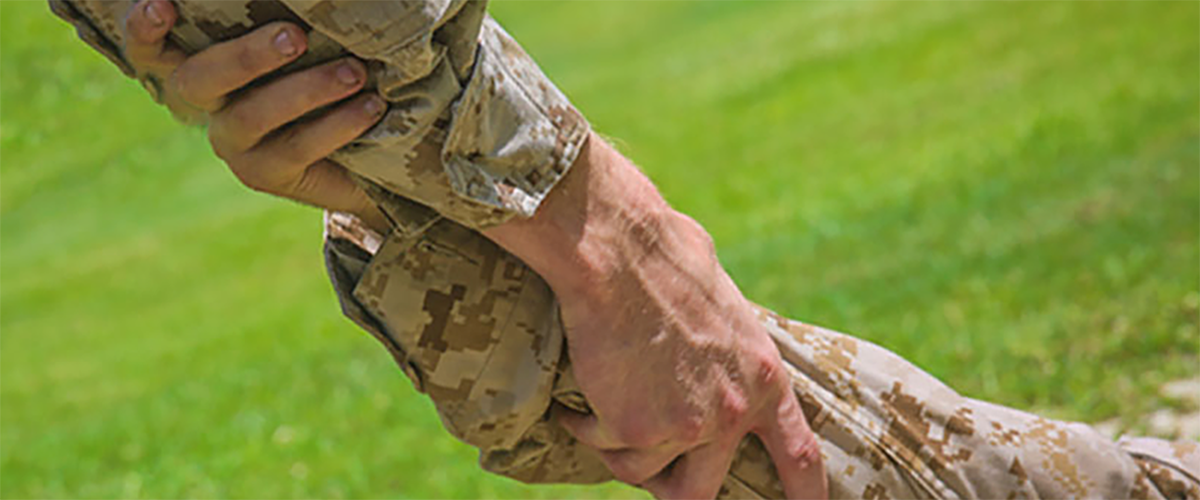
474 129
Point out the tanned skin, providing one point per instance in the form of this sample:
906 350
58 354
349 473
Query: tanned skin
664 346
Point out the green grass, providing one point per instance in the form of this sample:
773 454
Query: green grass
1007 194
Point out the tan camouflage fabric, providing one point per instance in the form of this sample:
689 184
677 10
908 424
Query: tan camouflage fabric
478 332
474 129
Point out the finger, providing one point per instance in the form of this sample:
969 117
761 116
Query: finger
146 28
328 185
697 474
637 466
208 76
795 450
278 165
242 124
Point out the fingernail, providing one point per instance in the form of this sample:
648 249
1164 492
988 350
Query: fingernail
374 105
347 74
284 43
153 13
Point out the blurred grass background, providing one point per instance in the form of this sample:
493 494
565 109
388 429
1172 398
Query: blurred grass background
1005 193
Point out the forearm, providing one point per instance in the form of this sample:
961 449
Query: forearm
603 218
887 428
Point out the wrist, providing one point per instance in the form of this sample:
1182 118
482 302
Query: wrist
603 217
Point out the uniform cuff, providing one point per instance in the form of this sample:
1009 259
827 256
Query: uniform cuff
513 135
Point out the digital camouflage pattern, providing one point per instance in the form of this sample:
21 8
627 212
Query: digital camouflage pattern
477 331
473 130
475 135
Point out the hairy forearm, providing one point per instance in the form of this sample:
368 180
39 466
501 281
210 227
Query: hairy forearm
604 218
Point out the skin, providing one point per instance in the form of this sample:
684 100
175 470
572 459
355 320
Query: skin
253 133
664 345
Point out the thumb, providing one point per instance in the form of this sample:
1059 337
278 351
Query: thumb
794 449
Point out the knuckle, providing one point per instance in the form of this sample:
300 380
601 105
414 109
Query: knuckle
801 454
689 428
808 451
733 408
767 370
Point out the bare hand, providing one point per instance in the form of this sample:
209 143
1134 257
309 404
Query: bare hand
664 346
255 130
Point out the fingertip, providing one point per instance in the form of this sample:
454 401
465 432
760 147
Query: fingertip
367 109
350 72
287 38
150 20
162 12
374 106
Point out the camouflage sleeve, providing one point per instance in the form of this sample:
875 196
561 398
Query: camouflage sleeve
480 146
890 430
475 134
479 333
96 37
474 129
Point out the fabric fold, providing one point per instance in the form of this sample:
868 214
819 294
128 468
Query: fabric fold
887 429
474 129
476 135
